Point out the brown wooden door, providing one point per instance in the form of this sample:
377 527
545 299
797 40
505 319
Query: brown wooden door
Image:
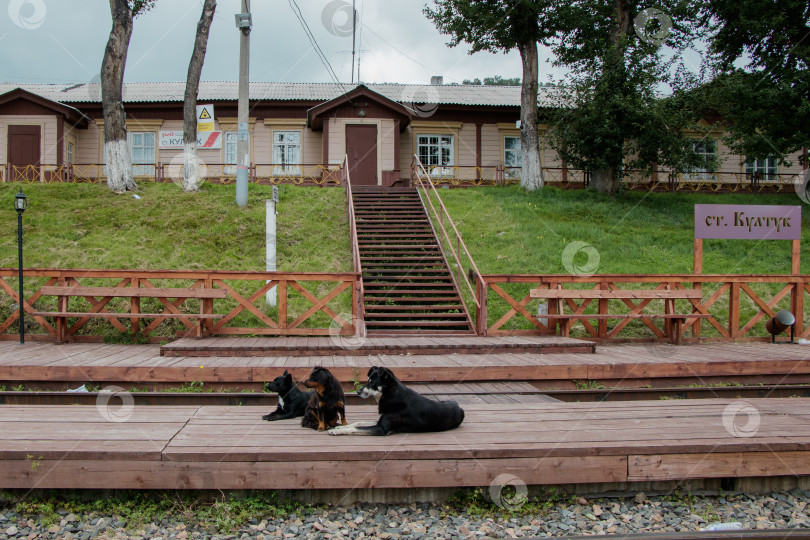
23 152
361 149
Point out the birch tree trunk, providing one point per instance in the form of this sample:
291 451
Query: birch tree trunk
116 150
532 172
191 162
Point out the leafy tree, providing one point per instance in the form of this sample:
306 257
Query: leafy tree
766 105
191 164
487 25
611 119
116 150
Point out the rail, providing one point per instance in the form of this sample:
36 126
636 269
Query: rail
420 176
309 304
737 306
318 174
359 289
218 173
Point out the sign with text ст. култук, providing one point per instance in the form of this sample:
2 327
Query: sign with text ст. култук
748 222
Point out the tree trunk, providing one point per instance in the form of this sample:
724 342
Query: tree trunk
116 150
191 163
608 179
532 172
605 180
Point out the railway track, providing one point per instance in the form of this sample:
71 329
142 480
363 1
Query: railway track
447 391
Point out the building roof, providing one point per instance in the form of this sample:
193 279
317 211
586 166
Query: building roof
475 95
72 114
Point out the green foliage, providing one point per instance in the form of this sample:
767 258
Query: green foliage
139 509
497 80
766 105
611 119
492 26
139 7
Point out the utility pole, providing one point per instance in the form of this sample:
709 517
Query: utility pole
244 22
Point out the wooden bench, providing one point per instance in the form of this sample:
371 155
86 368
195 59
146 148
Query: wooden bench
673 321
134 293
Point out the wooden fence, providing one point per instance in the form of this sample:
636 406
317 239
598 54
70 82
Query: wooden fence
312 304
737 305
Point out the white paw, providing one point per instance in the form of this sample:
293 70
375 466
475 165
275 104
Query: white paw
342 430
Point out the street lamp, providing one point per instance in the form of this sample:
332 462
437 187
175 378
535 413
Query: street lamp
20 203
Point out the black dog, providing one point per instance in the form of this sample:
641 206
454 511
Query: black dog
325 408
292 402
401 409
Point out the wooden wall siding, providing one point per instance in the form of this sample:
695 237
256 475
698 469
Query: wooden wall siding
48 135
739 305
491 146
23 107
301 297
466 145
406 152
385 141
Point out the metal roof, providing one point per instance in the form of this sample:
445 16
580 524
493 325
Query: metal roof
475 95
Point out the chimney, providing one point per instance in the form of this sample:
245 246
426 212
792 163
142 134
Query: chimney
436 80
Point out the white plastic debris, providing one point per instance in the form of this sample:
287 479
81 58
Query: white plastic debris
136 196
82 388
719 526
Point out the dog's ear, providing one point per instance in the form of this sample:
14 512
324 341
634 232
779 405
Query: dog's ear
371 371
386 374
286 373
287 376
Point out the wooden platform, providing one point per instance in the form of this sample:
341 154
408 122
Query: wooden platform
624 365
153 447
337 346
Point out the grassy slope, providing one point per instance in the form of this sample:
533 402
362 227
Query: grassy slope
87 226
510 231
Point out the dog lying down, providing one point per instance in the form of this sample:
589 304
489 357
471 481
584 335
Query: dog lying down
292 402
401 409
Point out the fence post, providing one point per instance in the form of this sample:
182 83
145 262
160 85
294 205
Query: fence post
481 309
734 310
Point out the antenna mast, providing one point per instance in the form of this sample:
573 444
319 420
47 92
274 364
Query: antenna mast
354 34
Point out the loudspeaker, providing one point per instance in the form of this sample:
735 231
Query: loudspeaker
783 320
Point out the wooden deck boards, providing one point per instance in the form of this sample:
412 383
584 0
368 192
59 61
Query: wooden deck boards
540 443
143 364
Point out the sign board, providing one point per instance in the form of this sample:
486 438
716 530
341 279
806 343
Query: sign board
205 118
748 222
243 134
275 194
173 139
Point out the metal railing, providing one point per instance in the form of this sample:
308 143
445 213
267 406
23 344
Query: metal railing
454 245
359 289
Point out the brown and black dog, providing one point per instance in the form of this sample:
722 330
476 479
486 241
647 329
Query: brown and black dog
326 406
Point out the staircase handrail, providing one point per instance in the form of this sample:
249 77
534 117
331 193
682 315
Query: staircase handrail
421 176
358 267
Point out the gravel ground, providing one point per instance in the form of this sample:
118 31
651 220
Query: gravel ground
569 517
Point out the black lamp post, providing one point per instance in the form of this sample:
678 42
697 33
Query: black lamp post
20 203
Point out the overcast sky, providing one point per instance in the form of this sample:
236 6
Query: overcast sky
63 41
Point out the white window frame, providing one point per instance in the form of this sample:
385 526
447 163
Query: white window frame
143 165
515 169
70 152
287 154
437 153
229 152
767 167
702 148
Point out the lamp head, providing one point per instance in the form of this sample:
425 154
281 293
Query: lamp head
20 202
784 319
